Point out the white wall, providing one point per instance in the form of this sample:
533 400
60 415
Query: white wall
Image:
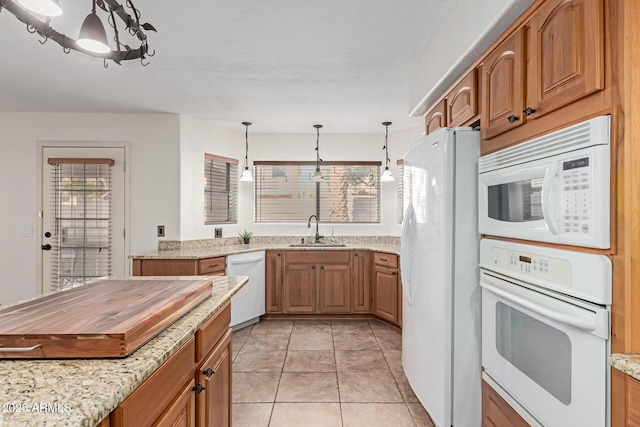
155 182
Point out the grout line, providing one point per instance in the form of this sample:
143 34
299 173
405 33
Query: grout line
337 377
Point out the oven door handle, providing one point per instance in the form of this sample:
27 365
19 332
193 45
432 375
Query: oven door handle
547 183
580 322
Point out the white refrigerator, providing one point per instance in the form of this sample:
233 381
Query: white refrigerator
439 269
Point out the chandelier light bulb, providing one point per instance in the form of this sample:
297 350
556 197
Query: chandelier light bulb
246 173
386 175
93 37
42 7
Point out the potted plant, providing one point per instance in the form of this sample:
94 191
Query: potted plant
246 235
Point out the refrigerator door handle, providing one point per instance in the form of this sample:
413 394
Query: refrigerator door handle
406 250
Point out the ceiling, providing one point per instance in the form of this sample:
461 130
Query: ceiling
282 64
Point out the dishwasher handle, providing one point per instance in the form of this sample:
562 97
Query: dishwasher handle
246 261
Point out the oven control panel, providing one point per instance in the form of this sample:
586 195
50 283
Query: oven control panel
551 269
575 179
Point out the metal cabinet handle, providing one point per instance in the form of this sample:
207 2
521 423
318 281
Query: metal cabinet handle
278 254
213 265
384 259
313 267
209 372
198 388
18 349
512 118
322 268
393 273
46 247
528 111
355 254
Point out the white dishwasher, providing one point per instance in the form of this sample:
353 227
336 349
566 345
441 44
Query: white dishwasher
249 303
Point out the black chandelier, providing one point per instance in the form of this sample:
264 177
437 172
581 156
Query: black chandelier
92 39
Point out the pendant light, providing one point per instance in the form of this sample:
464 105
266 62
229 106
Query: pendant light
42 7
93 36
317 176
386 175
246 173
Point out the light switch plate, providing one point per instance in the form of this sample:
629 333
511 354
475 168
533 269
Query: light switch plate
161 231
217 232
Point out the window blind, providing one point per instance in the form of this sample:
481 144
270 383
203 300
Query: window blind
220 189
400 205
284 192
81 221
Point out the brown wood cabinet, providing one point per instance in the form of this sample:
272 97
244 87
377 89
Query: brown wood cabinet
193 387
214 266
503 86
361 282
461 101
436 117
633 401
274 281
317 282
496 412
563 44
385 286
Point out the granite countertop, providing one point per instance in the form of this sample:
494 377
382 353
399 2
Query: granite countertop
627 363
82 392
231 249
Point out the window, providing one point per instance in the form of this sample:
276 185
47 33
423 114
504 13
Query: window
400 203
284 192
220 189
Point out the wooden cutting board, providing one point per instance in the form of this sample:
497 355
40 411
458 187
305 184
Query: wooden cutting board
109 318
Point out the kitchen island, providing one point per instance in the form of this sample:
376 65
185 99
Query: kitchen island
83 392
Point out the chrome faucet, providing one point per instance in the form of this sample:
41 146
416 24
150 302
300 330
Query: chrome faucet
318 236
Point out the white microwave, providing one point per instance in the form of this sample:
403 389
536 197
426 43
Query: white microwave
554 188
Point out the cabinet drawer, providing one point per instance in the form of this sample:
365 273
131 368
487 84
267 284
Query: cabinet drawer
211 265
150 400
211 332
388 260
318 257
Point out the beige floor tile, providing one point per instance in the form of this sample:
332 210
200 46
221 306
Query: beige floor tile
244 331
311 341
255 386
394 359
259 361
311 326
234 354
238 341
308 387
368 387
350 327
251 414
390 341
273 327
405 389
359 361
306 415
376 415
420 416
310 361
266 342
355 341
379 327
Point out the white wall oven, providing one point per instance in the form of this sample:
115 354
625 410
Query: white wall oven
554 188
545 331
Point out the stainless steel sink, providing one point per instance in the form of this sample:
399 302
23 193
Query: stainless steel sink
317 245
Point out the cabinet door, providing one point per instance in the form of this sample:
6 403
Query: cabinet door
503 91
386 293
214 401
435 118
334 288
360 282
273 283
497 412
633 401
300 288
566 55
462 104
182 411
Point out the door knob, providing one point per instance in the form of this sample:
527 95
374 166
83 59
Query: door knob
512 118
47 234
46 247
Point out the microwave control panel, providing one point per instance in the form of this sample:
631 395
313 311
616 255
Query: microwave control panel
576 182
556 270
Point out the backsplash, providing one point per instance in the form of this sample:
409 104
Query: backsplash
168 245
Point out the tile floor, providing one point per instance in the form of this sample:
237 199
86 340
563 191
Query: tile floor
321 373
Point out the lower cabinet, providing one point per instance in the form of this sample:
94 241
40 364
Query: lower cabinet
496 412
386 287
274 275
633 401
189 389
179 267
361 282
334 288
299 288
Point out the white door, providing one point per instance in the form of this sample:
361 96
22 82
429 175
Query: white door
83 205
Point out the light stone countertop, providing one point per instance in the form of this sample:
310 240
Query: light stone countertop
82 392
627 363
214 251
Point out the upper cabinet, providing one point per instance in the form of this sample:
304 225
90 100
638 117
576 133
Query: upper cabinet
562 44
462 104
503 91
566 54
435 118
